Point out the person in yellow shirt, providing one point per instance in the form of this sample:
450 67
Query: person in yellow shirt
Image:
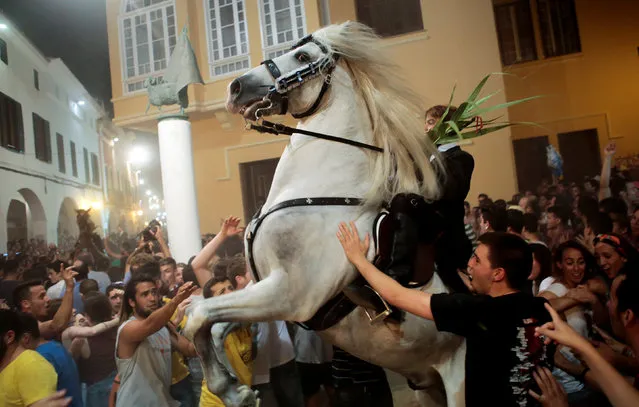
238 344
26 378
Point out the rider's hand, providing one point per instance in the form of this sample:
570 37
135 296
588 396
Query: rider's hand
354 248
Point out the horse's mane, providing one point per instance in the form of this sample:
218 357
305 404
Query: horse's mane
396 114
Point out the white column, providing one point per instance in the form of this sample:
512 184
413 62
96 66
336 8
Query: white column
178 182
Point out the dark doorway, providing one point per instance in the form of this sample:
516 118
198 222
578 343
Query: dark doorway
256 178
530 162
581 154
17 220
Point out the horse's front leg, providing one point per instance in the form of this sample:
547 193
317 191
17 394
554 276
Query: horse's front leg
260 302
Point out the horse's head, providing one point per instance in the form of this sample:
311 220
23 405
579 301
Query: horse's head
294 82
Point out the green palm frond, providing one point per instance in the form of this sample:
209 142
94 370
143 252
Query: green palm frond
456 128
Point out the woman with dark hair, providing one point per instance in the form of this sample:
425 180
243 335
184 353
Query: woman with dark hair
96 346
615 255
542 265
567 292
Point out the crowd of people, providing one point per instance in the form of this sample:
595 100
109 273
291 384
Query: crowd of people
552 317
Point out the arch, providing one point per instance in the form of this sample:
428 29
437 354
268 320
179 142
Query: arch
67 226
37 224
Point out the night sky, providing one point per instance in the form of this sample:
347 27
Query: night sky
74 30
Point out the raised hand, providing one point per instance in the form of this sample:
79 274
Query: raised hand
68 275
184 292
610 149
559 331
354 248
230 226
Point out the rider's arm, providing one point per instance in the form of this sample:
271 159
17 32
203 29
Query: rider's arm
414 301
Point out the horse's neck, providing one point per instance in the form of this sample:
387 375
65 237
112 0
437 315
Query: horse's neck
312 167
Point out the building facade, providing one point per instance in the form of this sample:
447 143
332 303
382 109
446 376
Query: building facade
51 160
582 57
437 45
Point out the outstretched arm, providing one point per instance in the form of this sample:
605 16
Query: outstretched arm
86 331
201 261
50 329
413 301
606 169
617 389
139 329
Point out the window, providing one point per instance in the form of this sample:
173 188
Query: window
95 168
61 164
4 56
74 162
283 24
390 18
559 29
36 79
148 37
11 125
87 174
227 36
42 138
515 32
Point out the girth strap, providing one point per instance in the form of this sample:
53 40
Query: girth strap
257 220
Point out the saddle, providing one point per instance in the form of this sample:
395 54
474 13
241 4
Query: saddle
413 238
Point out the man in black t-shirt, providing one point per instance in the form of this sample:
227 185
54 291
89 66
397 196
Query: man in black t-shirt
498 323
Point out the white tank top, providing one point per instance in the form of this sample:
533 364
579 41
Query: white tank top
145 378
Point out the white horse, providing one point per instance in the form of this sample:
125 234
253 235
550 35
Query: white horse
339 82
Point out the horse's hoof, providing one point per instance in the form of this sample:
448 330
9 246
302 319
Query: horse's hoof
195 321
247 397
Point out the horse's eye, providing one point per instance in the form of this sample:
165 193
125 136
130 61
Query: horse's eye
303 57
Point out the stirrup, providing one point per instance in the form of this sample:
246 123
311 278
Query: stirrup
381 316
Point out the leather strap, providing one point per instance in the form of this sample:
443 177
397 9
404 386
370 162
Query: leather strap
278 128
257 220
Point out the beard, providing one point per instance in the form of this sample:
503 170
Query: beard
144 312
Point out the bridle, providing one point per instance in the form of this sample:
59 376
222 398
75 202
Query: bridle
286 83
278 93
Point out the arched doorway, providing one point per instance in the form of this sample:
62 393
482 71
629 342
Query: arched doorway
67 225
25 217
17 220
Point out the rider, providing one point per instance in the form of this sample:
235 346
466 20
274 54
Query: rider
416 222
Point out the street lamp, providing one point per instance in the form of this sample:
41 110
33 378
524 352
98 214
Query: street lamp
139 155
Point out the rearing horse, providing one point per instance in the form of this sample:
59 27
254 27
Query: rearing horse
337 82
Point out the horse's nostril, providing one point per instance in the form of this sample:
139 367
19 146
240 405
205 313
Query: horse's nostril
236 87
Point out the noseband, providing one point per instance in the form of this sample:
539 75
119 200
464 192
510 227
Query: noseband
285 83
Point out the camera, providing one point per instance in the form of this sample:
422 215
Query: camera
148 232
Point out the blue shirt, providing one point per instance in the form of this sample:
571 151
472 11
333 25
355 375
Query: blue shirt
78 303
64 365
